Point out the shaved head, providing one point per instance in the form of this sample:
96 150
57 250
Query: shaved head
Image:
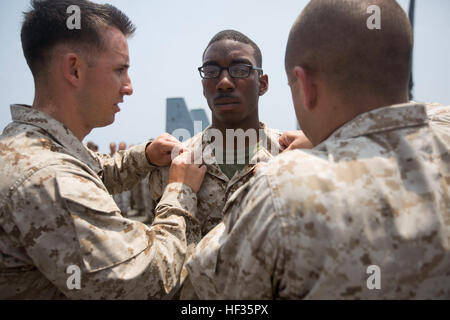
331 38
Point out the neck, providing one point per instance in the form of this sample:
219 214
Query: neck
251 124
338 115
63 110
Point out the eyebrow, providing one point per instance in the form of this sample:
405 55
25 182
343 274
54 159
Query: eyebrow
124 65
234 61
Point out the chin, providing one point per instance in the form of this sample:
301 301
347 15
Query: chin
232 122
106 123
111 121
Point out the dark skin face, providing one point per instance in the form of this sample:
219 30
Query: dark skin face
233 101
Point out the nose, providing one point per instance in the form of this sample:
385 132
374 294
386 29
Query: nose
127 88
225 81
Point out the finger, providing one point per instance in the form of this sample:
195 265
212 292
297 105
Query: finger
170 140
289 148
166 159
169 145
163 137
284 140
169 137
174 149
186 157
203 169
175 152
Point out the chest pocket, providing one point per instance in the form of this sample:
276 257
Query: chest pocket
105 237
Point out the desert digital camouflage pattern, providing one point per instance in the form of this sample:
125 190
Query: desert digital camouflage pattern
310 223
56 211
216 187
439 116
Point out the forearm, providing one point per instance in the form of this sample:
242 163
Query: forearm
117 258
152 274
140 263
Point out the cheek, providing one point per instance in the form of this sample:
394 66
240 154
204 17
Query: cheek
205 91
208 92
296 100
253 88
252 93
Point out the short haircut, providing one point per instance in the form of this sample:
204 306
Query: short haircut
331 37
45 26
239 37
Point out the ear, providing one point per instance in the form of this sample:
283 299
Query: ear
305 82
72 68
263 84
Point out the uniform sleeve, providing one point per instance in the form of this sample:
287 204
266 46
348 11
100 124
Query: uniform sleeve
124 169
179 198
238 259
68 220
157 182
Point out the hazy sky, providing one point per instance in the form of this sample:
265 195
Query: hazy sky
166 51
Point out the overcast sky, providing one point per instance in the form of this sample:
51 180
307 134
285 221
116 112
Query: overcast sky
166 51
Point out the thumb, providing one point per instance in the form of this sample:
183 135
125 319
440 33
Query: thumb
282 142
287 149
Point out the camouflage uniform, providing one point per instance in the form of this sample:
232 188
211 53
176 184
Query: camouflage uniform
56 211
310 223
216 186
439 116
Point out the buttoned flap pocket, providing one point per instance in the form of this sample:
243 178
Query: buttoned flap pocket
105 237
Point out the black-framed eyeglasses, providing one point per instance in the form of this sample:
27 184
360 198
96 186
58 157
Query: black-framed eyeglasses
235 71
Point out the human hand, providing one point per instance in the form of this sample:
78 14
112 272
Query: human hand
159 152
291 140
184 169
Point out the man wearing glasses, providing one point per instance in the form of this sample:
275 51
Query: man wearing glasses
233 81
365 214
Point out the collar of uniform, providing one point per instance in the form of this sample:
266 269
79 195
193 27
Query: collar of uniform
264 153
58 132
382 119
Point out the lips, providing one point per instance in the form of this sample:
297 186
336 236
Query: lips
117 109
221 101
